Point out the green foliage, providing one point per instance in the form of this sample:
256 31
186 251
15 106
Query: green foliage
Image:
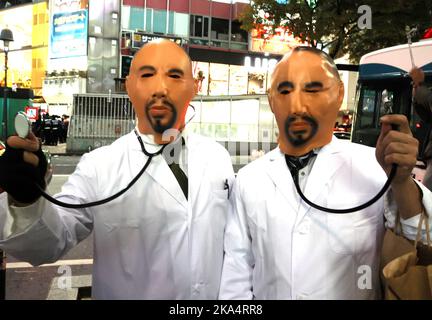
332 24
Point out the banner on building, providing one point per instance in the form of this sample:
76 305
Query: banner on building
68 36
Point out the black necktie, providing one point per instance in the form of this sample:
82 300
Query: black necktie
181 177
295 164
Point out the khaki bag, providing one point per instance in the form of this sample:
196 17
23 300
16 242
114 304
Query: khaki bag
407 266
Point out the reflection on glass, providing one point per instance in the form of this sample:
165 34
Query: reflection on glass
218 82
201 72
256 83
238 80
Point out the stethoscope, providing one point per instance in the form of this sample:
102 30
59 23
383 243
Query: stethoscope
348 210
23 127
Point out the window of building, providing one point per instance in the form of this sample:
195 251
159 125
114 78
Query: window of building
201 72
219 29
159 21
136 18
199 26
181 21
237 33
238 80
218 80
257 83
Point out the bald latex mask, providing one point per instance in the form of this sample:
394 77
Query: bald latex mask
160 86
305 96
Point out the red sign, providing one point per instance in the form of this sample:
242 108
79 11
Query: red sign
32 112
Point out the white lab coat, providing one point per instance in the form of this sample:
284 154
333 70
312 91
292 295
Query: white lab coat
150 243
277 247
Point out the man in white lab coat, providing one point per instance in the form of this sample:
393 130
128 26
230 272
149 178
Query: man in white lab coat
163 238
277 246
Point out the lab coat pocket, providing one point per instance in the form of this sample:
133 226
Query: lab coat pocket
351 233
126 238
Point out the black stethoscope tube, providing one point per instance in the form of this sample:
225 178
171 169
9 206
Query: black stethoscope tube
118 194
110 198
348 210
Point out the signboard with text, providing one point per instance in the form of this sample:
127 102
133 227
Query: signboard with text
140 39
68 36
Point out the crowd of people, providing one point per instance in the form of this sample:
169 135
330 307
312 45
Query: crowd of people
51 129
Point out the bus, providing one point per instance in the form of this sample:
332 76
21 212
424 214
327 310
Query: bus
384 86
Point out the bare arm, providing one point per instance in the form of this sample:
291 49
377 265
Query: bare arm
400 147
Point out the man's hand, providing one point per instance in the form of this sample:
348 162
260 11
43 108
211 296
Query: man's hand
398 147
22 166
417 76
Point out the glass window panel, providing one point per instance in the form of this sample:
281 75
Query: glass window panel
149 14
206 27
266 116
245 111
219 29
191 25
257 82
198 26
159 21
238 80
218 83
181 21
201 72
237 33
136 18
171 22
207 129
243 132
215 112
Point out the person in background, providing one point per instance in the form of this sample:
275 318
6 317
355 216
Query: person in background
423 107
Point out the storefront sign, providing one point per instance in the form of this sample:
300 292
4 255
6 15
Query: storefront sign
69 34
140 39
259 64
68 5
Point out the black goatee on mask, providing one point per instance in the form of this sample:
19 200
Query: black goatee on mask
156 122
296 136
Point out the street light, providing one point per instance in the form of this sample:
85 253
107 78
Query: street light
6 36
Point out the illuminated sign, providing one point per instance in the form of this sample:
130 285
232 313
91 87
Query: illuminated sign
280 42
140 39
69 34
68 5
259 64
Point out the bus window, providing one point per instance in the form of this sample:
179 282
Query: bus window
366 119
386 102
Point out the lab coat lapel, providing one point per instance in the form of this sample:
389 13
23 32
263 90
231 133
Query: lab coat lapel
279 173
159 171
162 174
325 166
